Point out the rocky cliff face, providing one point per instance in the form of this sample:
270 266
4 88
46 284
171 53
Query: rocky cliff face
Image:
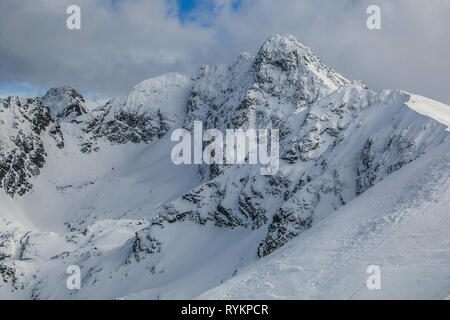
24 125
145 114
64 102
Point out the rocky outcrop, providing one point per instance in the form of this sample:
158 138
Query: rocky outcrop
147 113
25 123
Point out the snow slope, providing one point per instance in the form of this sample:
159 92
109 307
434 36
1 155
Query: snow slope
401 224
430 108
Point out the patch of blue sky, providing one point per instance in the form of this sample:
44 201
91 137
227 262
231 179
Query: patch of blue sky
189 11
19 89
197 10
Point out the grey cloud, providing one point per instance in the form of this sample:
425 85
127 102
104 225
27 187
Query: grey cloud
117 48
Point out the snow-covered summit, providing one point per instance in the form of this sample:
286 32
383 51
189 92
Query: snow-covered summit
262 90
64 102
146 113
166 93
297 61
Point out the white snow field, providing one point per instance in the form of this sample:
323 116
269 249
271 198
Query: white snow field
431 108
363 180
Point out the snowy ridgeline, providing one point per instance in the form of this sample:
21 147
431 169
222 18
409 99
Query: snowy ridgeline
362 180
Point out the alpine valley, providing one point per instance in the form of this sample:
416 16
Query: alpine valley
363 180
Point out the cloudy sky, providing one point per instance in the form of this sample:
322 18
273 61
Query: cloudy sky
122 42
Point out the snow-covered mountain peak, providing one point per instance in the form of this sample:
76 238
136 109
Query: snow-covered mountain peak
166 93
279 49
146 113
298 63
262 91
64 102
